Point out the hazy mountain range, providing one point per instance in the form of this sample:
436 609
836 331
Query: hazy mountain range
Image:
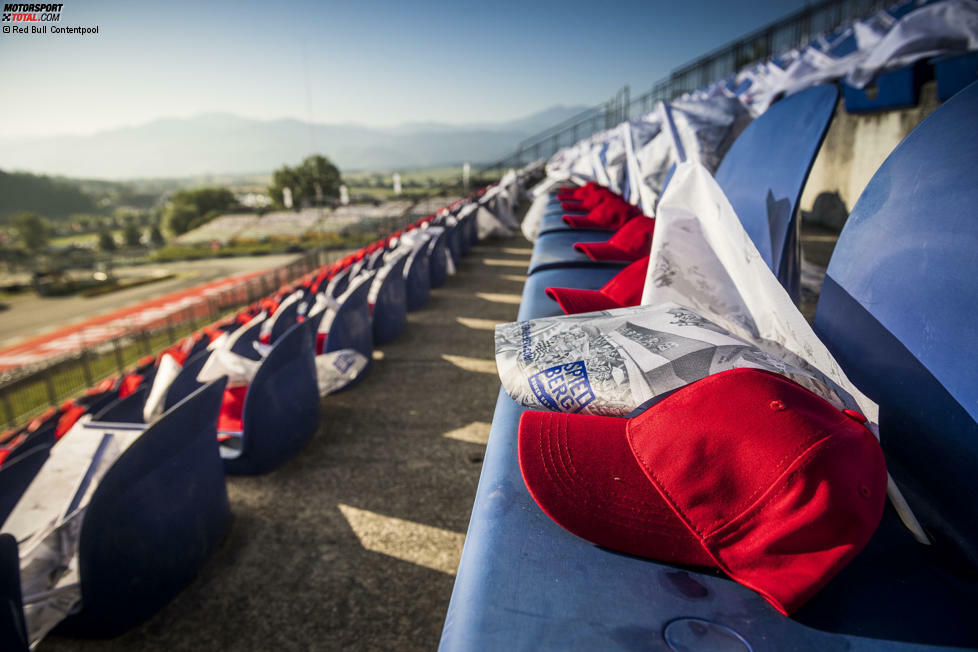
223 143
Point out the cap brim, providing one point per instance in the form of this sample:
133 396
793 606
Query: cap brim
574 301
576 222
605 252
581 472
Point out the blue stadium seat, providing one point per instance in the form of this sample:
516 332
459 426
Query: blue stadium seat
124 410
417 279
245 340
281 406
535 302
556 249
17 473
453 243
954 72
186 382
284 319
351 327
390 308
898 310
554 221
13 629
338 284
141 539
437 265
895 89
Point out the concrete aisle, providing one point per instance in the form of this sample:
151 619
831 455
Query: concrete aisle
354 543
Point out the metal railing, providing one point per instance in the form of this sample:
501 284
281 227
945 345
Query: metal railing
794 31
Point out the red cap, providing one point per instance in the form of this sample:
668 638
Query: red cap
609 214
623 290
745 471
590 197
628 244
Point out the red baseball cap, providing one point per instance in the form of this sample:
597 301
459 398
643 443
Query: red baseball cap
577 192
628 244
590 197
623 290
745 471
609 214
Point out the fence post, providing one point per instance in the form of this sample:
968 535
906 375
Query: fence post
49 383
85 368
7 407
117 349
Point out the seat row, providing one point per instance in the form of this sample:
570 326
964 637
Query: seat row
897 311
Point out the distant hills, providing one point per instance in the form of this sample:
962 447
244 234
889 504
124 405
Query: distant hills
223 143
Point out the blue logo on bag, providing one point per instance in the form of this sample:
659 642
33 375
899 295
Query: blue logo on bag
564 388
344 361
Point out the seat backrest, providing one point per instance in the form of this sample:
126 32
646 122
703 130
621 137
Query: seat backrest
376 259
899 308
186 382
158 512
437 264
244 339
351 327
17 473
284 318
417 279
13 629
124 410
337 285
281 408
764 172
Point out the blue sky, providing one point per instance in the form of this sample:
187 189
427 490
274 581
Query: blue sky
377 63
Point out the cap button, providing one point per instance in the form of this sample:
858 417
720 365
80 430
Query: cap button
855 416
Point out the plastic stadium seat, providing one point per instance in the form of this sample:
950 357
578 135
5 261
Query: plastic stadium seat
390 307
897 309
281 407
417 279
13 629
437 264
954 72
17 473
186 382
284 318
535 302
338 284
141 541
351 327
376 259
244 340
453 243
553 220
124 410
896 89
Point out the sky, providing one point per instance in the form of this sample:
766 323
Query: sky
372 62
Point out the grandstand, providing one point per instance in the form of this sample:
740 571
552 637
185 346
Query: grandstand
723 421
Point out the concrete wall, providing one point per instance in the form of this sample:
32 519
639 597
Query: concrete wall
854 148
